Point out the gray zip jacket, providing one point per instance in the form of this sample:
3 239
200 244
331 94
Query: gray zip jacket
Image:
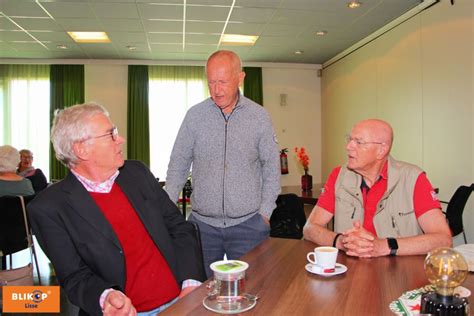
235 163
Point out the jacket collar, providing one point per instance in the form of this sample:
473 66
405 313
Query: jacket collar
82 202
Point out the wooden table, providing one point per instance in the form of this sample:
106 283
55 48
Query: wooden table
278 277
308 197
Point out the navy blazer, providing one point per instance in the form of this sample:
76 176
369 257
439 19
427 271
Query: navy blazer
81 244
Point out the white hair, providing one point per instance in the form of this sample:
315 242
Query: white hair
9 158
71 126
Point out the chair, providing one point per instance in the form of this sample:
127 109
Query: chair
288 218
455 208
197 233
15 234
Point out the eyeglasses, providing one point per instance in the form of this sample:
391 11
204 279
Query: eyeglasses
114 133
359 142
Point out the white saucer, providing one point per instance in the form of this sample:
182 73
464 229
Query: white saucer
340 268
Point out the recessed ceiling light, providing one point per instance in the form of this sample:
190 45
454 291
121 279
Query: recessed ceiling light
61 46
321 33
131 47
299 52
89 37
354 4
238 40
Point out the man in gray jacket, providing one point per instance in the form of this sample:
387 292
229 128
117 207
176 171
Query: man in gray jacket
230 142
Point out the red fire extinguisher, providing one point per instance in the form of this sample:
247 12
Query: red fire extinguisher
284 161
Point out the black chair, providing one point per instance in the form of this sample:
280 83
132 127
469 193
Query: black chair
197 233
15 234
288 218
455 208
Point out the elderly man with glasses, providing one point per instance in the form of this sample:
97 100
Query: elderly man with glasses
118 244
380 206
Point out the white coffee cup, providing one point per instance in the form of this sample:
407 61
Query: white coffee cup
324 257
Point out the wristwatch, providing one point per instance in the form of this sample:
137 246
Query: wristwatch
393 245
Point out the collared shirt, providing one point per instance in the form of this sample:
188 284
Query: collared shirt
97 187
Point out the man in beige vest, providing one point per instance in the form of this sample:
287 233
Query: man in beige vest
380 206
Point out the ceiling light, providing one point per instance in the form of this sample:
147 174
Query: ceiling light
131 47
237 40
321 33
299 52
89 37
353 4
61 46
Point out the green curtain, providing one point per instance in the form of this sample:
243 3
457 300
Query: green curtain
138 143
67 89
253 87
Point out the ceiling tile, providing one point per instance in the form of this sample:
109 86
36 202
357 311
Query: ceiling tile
6 25
122 25
252 15
4 48
207 13
258 3
27 47
80 24
52 36
158 47
38 24
68 9
283 30
227 3
167 12
164 26
205 27
204 49
127 37
293 17
165 38
21 8
114 1
202 39
245 28
116 10
178 2
8 36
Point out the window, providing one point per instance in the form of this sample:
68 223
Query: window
24 110
172 91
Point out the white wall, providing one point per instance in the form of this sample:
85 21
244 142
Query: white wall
106 84
418 77
296 124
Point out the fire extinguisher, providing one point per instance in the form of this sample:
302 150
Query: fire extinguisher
284 161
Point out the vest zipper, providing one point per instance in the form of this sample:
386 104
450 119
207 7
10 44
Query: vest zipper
353 213
394 226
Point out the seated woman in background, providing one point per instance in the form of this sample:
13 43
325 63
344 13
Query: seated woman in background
10 182
26 169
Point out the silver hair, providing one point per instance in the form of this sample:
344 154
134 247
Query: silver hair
9 158
71 126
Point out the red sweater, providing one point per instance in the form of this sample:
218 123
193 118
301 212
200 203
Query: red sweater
149 280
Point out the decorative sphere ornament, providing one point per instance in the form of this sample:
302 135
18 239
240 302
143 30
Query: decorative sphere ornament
446 269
